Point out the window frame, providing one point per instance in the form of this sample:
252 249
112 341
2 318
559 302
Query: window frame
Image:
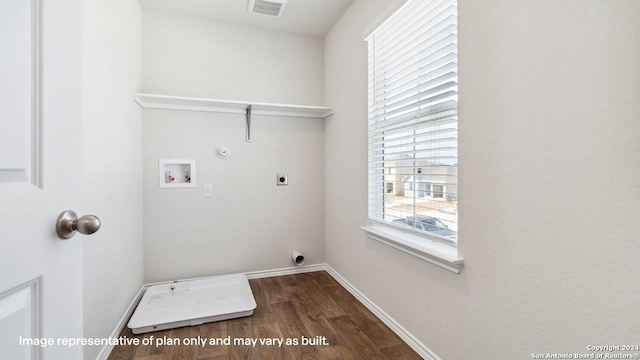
431 247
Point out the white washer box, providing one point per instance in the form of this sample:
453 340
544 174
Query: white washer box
183 172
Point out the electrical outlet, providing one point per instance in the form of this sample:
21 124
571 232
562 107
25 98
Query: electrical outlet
281 180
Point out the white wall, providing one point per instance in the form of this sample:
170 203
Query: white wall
250 223
112 156
187 56
549 166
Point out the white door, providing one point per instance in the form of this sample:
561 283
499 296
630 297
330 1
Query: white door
40 159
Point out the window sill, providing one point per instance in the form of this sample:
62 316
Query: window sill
439 254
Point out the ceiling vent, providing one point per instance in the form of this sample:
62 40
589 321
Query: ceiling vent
273 8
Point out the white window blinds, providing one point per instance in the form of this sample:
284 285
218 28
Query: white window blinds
413 120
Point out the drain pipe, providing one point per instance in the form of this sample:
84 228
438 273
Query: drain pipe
297 258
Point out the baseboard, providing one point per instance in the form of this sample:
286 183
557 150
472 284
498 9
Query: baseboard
286 271
405 335
106 350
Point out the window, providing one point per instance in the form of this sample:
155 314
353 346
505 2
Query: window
413 120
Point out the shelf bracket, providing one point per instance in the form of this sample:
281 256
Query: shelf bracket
249 124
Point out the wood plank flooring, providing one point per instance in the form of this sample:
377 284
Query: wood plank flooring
312 305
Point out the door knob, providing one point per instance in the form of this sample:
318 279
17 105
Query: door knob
68 224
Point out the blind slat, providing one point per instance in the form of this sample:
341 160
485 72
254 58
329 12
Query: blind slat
387 78
435 110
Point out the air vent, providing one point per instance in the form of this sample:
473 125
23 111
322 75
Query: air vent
273 8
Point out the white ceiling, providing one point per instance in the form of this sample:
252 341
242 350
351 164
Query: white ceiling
304 17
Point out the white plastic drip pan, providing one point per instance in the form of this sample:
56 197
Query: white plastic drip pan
193 302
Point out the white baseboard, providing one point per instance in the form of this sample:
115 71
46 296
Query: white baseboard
106 350
405 335
286 271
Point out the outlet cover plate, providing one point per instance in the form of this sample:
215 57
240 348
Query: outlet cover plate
282 180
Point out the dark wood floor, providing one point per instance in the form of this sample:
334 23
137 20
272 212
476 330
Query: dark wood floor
311 305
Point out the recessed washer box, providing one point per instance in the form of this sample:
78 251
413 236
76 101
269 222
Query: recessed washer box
176 173
193 302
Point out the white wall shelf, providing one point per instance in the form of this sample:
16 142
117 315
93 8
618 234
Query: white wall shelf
154 101
246 108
